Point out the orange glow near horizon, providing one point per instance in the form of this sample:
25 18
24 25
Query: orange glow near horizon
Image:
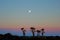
27 27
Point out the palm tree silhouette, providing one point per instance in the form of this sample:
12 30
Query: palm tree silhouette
33 30
23 30
38 32
42 30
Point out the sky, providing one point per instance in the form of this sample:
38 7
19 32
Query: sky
14 14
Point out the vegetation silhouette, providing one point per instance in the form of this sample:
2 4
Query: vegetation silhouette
33 30
42 30
38 32
9 36
23 30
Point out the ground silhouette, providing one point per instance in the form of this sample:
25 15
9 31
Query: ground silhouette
9 36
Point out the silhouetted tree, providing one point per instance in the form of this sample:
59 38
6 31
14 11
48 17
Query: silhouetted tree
23 30
42 30
38 32
8 34
33 30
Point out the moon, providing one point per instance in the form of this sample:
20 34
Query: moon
29 11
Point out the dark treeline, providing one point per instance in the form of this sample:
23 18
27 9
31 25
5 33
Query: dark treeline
9 36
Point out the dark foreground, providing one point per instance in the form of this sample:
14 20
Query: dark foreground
14 37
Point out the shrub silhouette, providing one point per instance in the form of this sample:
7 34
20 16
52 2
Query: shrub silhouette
23 30
33 30
42 31
38 32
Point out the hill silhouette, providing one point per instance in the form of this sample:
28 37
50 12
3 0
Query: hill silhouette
9 36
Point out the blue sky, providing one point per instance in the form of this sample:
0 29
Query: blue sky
14 12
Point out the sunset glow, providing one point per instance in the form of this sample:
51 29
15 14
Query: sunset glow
43 14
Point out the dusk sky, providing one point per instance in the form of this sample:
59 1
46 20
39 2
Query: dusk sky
15 14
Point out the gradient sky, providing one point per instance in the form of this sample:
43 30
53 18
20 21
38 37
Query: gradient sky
45 14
